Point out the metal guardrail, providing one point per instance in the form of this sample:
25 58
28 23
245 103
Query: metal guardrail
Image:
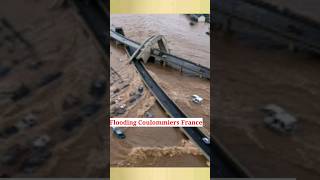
279 24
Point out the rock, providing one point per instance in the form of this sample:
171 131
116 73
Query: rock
192 23
20 93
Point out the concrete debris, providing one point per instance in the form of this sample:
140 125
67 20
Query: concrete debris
278 119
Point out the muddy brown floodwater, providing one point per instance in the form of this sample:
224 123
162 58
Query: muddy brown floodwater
158 146
55 41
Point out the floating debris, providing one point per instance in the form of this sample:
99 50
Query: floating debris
278 119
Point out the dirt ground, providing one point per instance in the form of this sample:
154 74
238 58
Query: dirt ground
49 52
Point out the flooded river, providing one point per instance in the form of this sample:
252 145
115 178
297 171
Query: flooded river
158 146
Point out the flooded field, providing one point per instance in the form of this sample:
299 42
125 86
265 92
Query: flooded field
158 146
